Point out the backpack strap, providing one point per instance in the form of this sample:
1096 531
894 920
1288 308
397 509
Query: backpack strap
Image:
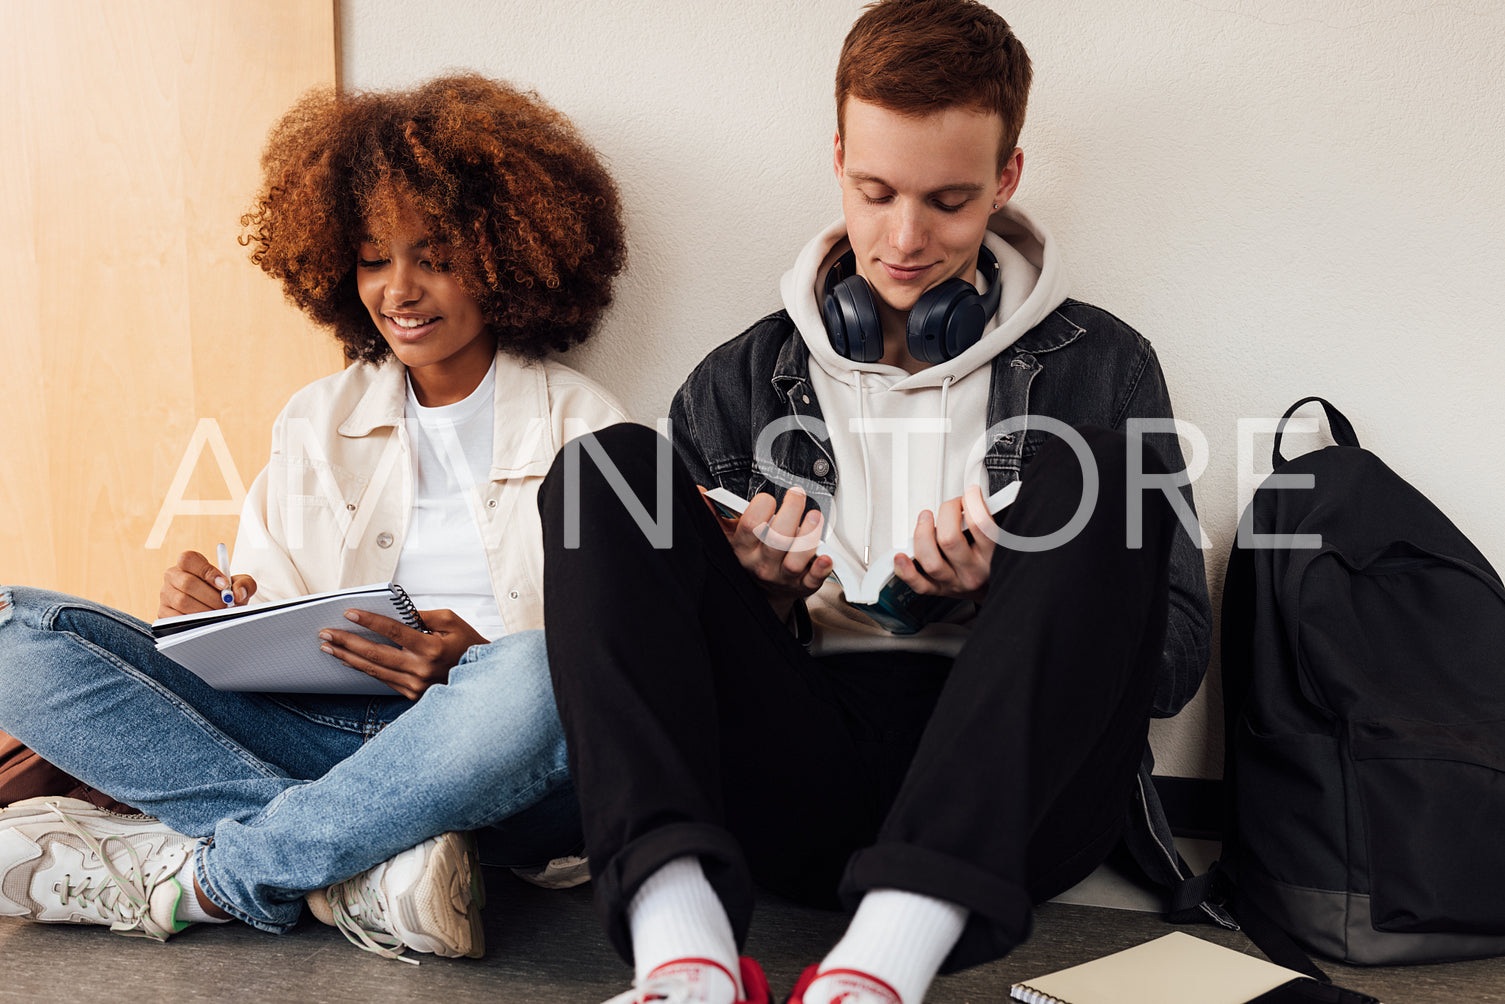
1190 898
1215 894
1270 938
1340 427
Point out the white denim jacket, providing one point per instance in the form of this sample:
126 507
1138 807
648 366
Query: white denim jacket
331 508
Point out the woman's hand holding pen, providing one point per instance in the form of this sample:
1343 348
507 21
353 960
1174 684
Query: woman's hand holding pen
418 662
948 560
776 546
194 585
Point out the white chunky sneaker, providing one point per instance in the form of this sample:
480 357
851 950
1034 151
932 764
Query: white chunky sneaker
560 873
428 898
65 861
698 981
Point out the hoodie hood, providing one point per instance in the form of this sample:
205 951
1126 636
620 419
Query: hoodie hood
906 442
1029 266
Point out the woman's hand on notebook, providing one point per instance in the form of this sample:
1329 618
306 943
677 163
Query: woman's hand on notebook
418 662
193 585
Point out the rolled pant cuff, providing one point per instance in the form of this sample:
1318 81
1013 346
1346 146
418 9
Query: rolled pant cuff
999 912
289 911
720 858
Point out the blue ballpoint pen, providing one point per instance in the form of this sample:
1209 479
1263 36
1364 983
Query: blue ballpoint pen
227 594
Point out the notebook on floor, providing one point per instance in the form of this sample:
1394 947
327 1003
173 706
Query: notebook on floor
1174 969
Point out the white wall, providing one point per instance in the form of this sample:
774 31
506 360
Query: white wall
1286 196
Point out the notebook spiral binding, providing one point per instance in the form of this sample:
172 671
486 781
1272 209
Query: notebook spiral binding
1029 995
404 604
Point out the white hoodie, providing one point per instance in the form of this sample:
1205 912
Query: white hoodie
924 442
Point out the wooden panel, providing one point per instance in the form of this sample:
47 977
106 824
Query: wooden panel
133 133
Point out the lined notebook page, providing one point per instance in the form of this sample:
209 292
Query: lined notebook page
1175 969
277 649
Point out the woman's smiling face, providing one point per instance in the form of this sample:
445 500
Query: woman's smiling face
432 324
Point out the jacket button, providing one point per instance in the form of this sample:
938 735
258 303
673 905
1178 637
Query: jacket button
805 398
384 540
350 506
821 467
491 503
512 595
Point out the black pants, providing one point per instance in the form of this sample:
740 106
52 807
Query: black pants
698 725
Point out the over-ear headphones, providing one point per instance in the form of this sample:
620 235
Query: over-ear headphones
945 321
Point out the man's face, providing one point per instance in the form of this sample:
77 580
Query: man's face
917 192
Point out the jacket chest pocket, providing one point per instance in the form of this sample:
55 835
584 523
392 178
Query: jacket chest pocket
318 501
818 480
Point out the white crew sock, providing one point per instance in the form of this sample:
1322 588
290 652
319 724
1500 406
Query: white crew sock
899 937
189 911
676 914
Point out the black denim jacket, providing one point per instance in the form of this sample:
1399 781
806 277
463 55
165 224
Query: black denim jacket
1080 365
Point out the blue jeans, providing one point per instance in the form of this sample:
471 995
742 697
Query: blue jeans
290 793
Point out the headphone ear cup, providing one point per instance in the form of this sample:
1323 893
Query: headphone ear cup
836 324
964 325
945 321
852 320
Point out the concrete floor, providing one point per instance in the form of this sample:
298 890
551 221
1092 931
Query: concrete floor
545 946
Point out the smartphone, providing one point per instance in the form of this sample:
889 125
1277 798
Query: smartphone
1305 990
728 505
997 503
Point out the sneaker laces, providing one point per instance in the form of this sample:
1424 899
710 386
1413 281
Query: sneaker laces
669 988
123 897
673 989
373 936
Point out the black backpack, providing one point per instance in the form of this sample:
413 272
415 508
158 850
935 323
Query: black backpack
1364 692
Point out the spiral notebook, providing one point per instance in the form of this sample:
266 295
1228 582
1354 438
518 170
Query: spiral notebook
1174 969
275 646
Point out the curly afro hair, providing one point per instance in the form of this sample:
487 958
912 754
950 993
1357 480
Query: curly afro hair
531 218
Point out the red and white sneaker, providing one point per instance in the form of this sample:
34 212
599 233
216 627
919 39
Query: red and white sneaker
843 986
694 981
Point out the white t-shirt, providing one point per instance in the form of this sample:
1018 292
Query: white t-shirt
443 560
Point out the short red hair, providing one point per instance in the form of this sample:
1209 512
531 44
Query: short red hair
922 56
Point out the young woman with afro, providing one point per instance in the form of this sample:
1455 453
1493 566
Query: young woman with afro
451 236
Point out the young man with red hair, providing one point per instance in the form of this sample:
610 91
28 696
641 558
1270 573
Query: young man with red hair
732 718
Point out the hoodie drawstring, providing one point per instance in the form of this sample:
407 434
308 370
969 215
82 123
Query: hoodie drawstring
867 471
940 471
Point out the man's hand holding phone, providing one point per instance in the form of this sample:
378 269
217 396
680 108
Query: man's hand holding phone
775 544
